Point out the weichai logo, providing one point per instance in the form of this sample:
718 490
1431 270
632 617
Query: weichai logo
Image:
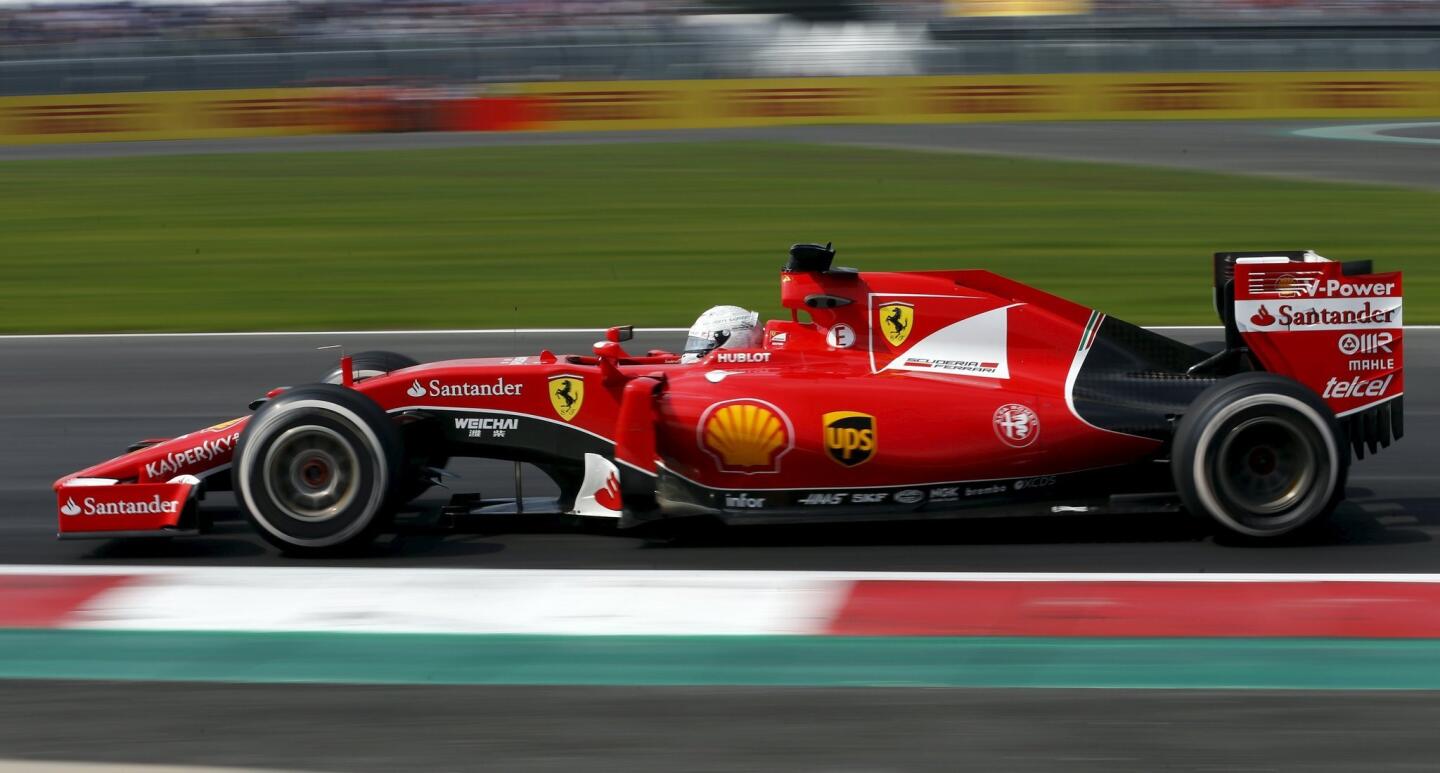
746 436
849 437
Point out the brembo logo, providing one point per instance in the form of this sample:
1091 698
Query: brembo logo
499 388
175 461
152 506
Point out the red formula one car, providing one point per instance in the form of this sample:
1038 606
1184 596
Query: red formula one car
883 395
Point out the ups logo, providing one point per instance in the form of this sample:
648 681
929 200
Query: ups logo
849 437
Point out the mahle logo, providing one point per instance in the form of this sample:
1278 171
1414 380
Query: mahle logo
849 437
896 320
567 394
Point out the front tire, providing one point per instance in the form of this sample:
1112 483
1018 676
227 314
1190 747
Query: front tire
1261 455
316 469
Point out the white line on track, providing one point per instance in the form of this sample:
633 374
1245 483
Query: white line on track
1374 132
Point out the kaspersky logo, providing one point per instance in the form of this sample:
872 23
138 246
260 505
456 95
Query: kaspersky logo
746 436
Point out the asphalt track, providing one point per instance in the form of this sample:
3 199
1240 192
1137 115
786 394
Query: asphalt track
1268 148
759 730
68 402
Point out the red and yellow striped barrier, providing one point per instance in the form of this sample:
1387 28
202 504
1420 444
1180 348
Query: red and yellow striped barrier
693 104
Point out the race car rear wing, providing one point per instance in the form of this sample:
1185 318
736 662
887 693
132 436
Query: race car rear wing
1334 327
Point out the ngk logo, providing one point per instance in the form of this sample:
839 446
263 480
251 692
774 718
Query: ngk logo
1352 344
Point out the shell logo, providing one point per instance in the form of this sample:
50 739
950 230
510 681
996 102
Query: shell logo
746 436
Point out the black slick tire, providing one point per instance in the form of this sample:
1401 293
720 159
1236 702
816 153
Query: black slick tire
316 468
1260 455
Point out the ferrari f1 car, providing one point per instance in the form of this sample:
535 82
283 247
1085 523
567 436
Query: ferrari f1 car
883 395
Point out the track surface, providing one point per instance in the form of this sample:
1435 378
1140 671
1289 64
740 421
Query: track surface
1243 147
732 729
71 402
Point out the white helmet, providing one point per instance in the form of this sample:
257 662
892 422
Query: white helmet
722 327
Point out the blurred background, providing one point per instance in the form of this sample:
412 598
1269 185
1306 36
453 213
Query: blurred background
65 46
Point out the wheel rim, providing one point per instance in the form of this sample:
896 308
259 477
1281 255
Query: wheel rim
1266 465
312 473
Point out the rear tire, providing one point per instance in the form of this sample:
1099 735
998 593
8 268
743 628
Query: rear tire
1261 455
316 470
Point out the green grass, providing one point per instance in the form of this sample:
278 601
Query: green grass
644 234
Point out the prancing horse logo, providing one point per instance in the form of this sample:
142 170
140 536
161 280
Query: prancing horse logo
567 394
896 321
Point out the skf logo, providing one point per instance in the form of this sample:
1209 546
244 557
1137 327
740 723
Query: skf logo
849 437
1016 425
746 436
567 394
896 320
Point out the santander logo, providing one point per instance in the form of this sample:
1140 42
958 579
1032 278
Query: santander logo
1262 318
609 497
155 505
415 389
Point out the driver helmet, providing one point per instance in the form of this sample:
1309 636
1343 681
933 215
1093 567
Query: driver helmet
722 327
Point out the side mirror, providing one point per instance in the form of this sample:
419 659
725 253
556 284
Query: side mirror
620 334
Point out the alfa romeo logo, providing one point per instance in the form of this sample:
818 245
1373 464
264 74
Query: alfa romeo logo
1016 425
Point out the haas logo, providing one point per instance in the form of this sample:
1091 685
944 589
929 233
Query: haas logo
1262 318
70 507
415 389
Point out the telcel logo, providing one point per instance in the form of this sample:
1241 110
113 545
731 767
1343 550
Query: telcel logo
1357 387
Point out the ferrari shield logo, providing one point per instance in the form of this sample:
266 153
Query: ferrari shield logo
567 394
896 319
